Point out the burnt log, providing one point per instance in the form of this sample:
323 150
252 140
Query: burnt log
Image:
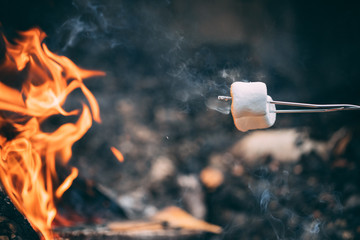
130 230
169 223
13 225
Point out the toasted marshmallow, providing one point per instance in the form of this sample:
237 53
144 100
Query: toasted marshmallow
251 107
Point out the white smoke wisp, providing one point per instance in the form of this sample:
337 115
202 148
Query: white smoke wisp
93 20
267 200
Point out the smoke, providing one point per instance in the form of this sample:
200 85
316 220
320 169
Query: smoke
268 201
277 196
136 40
74 28
94 22
220 106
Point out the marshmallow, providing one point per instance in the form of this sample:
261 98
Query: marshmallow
250 106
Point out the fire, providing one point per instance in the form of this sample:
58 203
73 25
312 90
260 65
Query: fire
28 154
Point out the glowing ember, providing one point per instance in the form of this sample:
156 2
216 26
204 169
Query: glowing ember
117 154
28 155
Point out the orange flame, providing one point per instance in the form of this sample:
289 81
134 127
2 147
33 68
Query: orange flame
27 164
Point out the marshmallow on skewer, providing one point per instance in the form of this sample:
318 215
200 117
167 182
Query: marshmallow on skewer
250 106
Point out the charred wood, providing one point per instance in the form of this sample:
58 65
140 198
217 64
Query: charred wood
13 225
139 230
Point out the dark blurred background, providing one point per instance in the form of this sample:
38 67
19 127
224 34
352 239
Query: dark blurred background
304 51
167 60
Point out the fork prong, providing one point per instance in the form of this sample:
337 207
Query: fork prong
224 98
319 110
310 105
315 107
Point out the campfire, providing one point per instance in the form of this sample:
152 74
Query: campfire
29 154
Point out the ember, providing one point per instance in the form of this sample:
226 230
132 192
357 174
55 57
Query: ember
28 155
117 154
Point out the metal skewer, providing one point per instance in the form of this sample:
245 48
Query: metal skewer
224 98
315 107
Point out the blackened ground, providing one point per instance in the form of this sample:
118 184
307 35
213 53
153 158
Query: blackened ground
165 60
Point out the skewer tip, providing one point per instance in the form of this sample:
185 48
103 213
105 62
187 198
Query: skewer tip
224 98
